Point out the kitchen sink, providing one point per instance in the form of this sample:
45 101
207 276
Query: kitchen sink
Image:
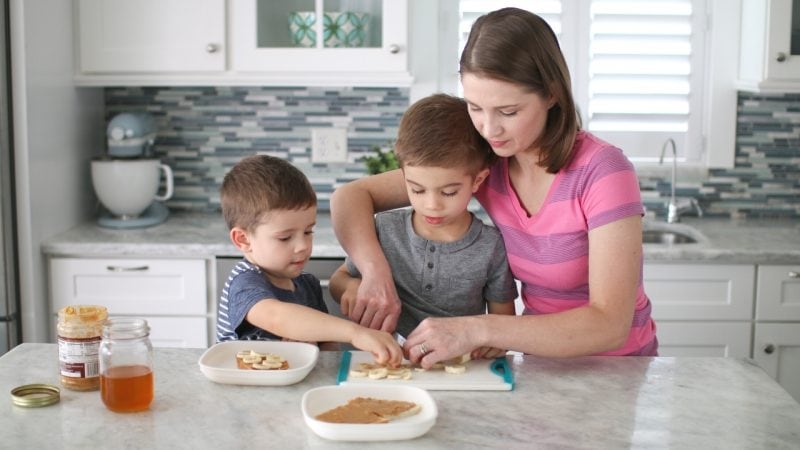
670 234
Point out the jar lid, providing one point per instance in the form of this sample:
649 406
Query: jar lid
35 395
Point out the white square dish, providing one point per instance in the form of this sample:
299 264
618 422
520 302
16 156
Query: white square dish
218 363
318 400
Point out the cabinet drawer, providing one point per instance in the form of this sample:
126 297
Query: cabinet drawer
178 331
131 286
726 339
700 292
778 293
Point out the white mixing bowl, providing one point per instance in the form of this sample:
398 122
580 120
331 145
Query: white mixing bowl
127 187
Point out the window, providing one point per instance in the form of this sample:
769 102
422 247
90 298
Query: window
637 66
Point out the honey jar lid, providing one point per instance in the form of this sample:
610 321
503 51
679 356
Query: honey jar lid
35 395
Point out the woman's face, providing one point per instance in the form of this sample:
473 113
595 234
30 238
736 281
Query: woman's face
507 115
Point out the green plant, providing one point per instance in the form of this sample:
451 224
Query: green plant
381 161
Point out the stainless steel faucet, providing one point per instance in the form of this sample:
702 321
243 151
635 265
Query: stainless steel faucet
673 208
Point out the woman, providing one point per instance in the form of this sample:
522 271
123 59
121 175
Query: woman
567 204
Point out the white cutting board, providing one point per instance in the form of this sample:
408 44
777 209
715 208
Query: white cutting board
481 375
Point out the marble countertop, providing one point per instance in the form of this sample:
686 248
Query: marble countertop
591 402
205 235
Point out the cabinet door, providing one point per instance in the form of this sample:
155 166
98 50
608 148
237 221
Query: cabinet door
178 331
776 348
262 41
778 293
726 339
783 49
131 286
151 35
700 292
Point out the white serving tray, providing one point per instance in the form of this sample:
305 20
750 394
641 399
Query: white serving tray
218 363
321 399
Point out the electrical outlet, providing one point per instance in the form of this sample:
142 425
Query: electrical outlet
328 145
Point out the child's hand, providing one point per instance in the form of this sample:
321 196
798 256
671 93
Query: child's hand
487 353
382 345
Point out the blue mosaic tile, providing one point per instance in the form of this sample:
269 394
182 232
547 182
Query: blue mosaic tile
204 131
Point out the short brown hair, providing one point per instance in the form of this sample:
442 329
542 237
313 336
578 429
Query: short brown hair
438 132
517 46
259 184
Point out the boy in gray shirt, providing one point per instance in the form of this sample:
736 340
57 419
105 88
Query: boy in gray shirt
444 260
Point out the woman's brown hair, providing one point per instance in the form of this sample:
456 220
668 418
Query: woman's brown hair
517 46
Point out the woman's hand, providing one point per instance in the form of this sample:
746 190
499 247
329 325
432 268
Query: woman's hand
376 305
382 345
487 353
440 339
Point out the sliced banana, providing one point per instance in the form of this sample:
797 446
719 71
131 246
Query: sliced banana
358 373
456 368
251 359
267 365
379 373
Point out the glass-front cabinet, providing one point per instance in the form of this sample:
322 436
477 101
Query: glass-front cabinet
242 42
770 53
344 39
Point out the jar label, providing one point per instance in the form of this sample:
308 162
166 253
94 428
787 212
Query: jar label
78 357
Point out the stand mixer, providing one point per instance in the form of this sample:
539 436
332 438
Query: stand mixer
127 180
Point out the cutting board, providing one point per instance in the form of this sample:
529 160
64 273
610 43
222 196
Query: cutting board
481 375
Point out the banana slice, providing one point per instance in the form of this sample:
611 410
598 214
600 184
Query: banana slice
378 374
267 365
456 368
358 373
251 359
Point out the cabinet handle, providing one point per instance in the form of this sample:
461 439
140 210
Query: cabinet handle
769 349
212 48
794 274
127 269
781 57
394 49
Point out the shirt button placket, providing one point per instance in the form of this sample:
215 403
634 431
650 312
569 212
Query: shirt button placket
429 275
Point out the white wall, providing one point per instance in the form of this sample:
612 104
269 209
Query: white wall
57 129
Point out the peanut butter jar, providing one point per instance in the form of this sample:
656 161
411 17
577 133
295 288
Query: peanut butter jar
80 329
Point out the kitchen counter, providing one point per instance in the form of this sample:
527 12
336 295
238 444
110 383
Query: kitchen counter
205 235
591 402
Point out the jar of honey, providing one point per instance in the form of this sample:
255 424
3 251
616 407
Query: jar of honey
79 330
126 365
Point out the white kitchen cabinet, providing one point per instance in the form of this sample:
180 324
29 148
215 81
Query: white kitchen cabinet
151 36
172 294
701 309
241 42
770 46
778 294
776 348
776 345
261 42
704 338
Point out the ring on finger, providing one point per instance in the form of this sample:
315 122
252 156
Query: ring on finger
423 349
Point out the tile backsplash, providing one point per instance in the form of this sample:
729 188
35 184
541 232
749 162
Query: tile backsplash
205 130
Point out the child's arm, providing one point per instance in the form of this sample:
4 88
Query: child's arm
505 308
344 288
302 323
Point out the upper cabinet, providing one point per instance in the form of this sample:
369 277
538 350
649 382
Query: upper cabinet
770 46
121 36
243 42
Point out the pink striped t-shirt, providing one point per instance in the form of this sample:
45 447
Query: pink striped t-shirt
549 251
